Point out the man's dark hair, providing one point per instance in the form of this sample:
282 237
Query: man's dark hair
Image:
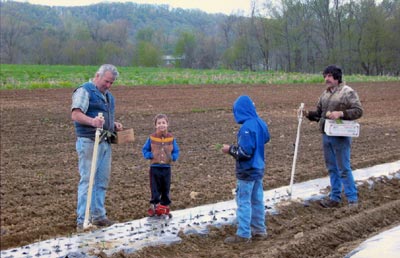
335 71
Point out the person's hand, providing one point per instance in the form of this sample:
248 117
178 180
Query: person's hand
304 112
334 114
118 126
98 122
225 148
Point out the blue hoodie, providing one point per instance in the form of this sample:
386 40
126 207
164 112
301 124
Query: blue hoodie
251 138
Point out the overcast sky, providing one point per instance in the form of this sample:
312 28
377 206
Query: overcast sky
209 6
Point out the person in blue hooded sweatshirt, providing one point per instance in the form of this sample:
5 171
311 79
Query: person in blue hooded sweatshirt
250 165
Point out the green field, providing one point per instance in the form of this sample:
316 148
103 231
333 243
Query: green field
62 76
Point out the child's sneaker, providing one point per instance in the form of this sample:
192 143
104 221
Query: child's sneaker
259 236
162 210
236 240
328 203
151 211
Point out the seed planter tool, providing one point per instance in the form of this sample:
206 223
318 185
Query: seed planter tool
86 223
299 118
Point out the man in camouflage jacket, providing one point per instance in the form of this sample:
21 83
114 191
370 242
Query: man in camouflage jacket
338 101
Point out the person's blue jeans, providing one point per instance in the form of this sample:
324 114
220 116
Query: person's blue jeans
337 160
84 148
250 211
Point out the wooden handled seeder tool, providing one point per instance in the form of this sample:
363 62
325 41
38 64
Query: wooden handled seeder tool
300 118
86 223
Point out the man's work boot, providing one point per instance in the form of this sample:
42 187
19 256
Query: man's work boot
103 222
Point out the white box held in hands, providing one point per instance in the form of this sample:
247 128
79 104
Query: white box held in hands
342 128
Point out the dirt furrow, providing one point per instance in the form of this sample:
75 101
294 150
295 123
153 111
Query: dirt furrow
39 174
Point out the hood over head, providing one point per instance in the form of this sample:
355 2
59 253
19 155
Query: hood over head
244 109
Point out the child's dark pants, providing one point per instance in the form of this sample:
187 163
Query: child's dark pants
160 182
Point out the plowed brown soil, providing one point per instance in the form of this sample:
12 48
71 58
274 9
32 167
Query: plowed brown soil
39 173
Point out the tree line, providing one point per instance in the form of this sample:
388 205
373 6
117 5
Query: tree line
362 36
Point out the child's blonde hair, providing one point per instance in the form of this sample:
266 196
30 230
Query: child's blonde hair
160 116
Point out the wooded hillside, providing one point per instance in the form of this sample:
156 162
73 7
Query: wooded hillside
296 36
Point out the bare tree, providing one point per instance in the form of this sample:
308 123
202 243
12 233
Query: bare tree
227 29
325 24
261 33
13 29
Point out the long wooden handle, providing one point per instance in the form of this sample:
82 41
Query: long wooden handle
86 223
296 146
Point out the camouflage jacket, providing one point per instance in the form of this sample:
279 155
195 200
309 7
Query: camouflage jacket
340 98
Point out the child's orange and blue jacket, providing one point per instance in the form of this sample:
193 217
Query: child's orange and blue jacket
161 149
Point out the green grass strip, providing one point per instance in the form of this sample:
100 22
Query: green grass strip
64 76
